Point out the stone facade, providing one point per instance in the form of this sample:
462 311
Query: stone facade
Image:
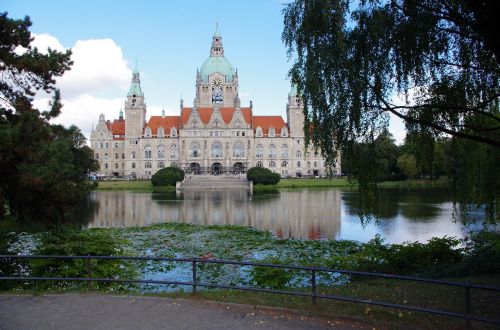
217 135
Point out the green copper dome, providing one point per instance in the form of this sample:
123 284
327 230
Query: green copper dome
217 64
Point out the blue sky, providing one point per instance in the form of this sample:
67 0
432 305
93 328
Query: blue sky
170 40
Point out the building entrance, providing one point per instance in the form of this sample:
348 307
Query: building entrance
238 168
195 168
216 168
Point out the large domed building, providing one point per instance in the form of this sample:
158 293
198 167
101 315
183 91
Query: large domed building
216 135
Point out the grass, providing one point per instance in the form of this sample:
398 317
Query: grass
283 184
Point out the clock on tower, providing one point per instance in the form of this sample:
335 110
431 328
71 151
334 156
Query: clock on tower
217 96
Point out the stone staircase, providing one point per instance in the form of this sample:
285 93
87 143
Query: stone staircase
223 181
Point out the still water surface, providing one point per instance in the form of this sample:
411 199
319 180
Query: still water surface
298 213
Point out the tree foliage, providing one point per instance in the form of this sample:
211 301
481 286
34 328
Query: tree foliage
432 63
42 165
167 176
261 175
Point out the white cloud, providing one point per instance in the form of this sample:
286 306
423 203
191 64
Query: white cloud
83 111
44 41
98 65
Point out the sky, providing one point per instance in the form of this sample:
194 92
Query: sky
169 40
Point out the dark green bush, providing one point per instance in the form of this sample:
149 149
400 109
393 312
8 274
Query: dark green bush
75 242
167 176
260 175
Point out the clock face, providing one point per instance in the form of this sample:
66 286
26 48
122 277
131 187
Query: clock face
217 82
217 91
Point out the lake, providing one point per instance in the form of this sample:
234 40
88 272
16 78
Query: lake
314 213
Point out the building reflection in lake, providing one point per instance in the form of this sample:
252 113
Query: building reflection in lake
295 213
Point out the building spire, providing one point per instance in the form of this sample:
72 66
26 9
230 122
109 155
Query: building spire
135 87
163 111
120 116
217 48
217 30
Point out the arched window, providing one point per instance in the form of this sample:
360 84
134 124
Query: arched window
195 124
272 151
259 151
216 150
298 163
173 132
106 165
117 156
116 165
107 145
96 156
315 164
284 151
271 132
238 150
161 132
147 152
96 145
284 132
132 154
161 165
284 163
259 164
133 165
147 132
194 149
258 132
116 145
173 151
272 164
298 153
123 155
105 155
147 165
161 151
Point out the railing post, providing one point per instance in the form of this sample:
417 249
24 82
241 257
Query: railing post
194 275
467 305
313 285
89 271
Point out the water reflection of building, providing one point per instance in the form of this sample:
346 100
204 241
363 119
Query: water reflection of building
296 213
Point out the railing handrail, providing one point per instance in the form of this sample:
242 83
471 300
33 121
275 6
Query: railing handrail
257 264
194 283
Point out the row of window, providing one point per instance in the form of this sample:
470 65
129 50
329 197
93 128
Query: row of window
146 165
160 132
272 164
271 132
106 145
216 150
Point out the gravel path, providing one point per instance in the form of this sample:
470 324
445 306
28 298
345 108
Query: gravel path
94 311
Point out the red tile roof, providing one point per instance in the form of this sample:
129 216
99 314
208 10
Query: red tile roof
166 122
206 113
266 122
118 127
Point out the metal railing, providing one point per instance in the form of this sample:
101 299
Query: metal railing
467 315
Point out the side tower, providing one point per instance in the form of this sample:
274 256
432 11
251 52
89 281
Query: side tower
135 121
135 108
294 114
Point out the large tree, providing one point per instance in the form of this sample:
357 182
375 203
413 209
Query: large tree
432 63
42 166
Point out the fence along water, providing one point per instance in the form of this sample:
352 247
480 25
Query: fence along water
467 315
